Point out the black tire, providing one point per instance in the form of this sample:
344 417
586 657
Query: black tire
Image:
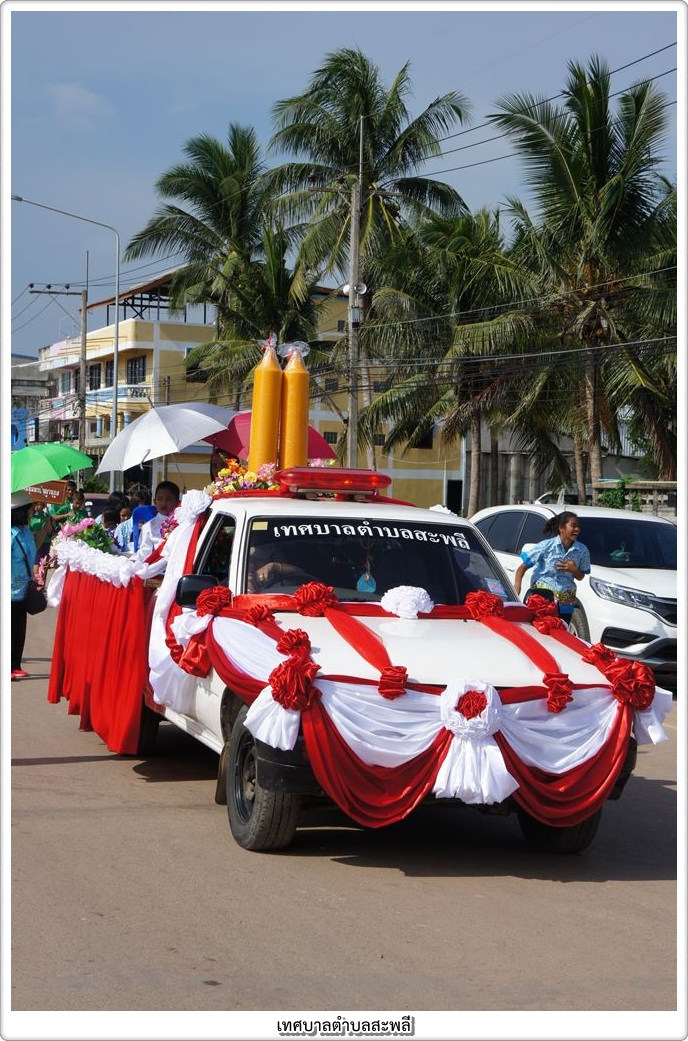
259 819
579 625
148 731
543 838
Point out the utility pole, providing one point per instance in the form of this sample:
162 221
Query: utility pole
354 308
354 323
81 396
82 374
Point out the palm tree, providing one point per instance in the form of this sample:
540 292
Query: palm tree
216 222
596 188
356 133
263 301
455 306
350 127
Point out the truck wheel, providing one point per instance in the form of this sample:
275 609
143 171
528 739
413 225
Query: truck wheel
579 625
543 838
259 819
148 731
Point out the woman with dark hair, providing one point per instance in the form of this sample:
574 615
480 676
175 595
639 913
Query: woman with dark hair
22 561
557 562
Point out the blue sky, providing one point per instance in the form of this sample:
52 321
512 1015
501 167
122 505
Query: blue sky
97 103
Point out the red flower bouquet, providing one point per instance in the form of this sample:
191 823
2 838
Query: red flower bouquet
313 599
482 605
292 683
212 601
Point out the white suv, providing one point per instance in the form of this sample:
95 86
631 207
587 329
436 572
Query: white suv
628 602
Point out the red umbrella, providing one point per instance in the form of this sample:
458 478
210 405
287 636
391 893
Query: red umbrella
236 438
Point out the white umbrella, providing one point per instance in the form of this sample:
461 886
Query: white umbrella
161 431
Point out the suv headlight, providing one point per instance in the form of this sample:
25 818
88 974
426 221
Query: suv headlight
622 595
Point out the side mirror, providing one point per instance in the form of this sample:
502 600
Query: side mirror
189 586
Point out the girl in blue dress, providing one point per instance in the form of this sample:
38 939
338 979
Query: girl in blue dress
557 562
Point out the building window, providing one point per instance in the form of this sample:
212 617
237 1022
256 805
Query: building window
109 369
379 386
341 326
136 369
331 386
331 437
94 377
65 382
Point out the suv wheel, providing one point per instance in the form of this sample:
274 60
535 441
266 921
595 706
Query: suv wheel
259 819
579 625
543 838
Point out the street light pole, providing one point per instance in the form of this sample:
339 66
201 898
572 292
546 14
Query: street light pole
115 349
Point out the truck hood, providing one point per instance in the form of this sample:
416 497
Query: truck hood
437 651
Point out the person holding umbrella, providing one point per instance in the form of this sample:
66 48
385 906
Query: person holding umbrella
22 560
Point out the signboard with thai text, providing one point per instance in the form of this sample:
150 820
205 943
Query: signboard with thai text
52 492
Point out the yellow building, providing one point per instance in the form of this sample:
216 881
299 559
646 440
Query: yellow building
152 346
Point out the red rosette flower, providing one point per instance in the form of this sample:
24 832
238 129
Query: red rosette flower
471 704
259 613
632 683
542 606
212 601
313 599
292 683
547 623
296 643
483 604
559 691
600 656
393 680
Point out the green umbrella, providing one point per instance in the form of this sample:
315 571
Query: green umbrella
38 463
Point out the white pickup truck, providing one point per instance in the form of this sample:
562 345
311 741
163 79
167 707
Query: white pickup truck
329 643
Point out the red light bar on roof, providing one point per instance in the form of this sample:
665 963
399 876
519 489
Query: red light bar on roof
332 479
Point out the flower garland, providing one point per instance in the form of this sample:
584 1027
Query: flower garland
86 530
168 526
238 478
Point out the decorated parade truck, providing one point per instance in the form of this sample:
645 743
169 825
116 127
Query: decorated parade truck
329 642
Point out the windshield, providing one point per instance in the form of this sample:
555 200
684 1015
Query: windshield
363 561
628 543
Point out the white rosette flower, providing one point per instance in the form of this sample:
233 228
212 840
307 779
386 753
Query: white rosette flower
407 601
473 769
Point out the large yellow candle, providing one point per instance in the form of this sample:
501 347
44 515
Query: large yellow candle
265 410
294 426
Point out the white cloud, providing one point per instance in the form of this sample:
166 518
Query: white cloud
78 107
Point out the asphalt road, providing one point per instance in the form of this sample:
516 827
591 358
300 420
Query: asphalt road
128 894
